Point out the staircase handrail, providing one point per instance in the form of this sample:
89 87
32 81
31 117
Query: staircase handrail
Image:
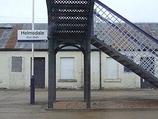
126 21
123 32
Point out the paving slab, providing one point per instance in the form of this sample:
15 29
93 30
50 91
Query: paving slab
14 104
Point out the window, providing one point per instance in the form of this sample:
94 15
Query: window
16 64
67 68
111 69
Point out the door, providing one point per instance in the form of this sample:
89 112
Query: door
148 64
39 72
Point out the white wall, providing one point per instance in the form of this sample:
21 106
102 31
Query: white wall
78 67
95 70
124 81
16 80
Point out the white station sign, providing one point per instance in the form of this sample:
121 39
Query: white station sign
32 35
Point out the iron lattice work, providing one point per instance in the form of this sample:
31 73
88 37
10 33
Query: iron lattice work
120 34
70 19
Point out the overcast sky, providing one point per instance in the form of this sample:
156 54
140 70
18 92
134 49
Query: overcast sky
20 11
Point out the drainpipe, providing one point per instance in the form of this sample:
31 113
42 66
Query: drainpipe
100 81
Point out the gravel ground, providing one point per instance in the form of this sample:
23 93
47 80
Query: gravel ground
108 104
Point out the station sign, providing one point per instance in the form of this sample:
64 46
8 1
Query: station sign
32 35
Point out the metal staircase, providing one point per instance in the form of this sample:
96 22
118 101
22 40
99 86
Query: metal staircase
70 19
122 59
121 40
70 24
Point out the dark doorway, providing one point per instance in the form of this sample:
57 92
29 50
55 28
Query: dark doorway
39 72
148 64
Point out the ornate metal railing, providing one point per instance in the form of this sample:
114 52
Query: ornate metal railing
126 38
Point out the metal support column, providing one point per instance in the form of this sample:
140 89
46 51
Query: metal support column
85 77
51 75
87 74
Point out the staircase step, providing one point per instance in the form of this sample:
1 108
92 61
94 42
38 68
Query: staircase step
145 76
126 64
132 67
69 20
71 28
70 6
118 58
137 71
114 55
71 2
108 52
100 47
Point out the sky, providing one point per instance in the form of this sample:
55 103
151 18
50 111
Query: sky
20 11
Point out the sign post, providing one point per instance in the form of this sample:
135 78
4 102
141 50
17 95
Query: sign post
32 36
32 79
